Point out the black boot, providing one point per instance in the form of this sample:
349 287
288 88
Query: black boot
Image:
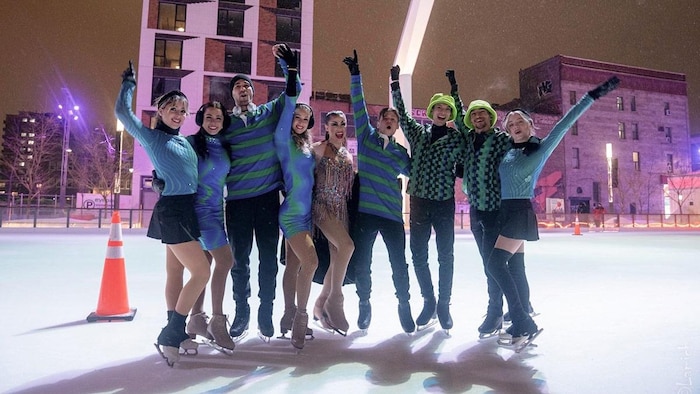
406 318
428 312
365 315
492 323
265 320
241 320
173 334
443 314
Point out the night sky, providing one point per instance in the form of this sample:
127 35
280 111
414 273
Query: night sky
85 44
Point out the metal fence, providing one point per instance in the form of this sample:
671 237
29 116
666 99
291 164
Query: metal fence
48 216
51 217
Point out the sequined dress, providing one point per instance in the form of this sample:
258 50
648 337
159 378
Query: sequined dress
333 187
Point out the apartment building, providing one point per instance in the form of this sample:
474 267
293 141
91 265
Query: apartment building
196 46
623 150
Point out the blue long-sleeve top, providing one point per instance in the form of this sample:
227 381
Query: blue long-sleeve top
378 167
298 173
519 172
212 174
171 155
255 169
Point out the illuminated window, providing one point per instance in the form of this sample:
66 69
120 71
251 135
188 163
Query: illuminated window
620 104
669 163
168 53
621 131
172 16
635 160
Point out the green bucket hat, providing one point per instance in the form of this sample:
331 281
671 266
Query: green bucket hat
479 104
439 98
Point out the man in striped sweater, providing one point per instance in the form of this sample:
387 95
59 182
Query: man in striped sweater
252 203
436 148
380 161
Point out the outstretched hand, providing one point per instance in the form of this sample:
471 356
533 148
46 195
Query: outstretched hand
288 55
352 64
395 71
604 88
129 74
450 74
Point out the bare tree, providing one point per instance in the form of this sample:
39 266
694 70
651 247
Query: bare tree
682 186
93 163
31 151
637 187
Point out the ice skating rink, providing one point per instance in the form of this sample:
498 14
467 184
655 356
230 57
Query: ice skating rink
620 313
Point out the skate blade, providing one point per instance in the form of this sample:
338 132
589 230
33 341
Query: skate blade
528 342
219 348
170 354
240 337
264 337
426 326
189 347
488 335
446 331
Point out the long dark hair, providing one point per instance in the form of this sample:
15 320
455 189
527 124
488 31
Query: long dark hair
200 138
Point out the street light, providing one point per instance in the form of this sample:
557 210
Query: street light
608 156
118 178
65 116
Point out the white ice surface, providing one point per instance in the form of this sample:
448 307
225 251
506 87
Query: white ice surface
620 313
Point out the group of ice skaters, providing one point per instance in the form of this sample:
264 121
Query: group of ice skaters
253 153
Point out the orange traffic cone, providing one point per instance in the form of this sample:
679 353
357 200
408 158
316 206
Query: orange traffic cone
577 227
113 303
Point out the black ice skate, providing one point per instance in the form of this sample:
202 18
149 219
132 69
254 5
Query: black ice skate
491 326
428 316
443 314
265 328
169 342
365 316
239 328
406 319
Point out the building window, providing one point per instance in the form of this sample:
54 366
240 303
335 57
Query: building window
219 91
274 90
168 53
237 58
615 173
620 103
669 163
621 131
633 104
596 191
289 4
635 131
574 128
288 29
575 158
230 23
669 138
172 16
635 160
572 97
667 109
163 85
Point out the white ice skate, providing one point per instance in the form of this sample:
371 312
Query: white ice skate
433 321
518 343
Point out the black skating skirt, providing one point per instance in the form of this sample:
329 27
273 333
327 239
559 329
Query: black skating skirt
517 220
174 220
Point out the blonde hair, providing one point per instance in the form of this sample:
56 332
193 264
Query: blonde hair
524 114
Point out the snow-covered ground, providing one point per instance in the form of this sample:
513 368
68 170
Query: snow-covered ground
619 312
